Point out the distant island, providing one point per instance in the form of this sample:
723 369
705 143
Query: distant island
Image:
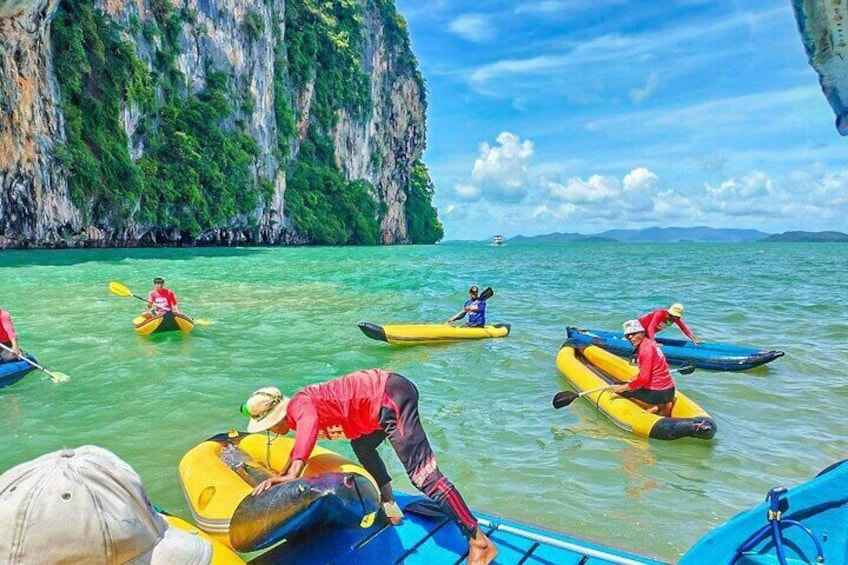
818 237
701 234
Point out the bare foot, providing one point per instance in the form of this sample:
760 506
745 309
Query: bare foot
481 550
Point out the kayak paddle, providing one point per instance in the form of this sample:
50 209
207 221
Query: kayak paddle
122 290
55 376
486 294
565 397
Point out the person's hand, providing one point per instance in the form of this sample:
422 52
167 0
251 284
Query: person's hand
618 389
268 483
16 350
696 341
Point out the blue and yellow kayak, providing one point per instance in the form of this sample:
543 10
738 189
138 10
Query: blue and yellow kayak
421 334
147 323
590 367
13 371
712 356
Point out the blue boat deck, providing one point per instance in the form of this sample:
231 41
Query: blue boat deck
425 537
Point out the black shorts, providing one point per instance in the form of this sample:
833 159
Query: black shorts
653 397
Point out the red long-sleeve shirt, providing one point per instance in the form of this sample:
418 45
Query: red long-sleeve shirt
346 407
7 330
653 368
656 321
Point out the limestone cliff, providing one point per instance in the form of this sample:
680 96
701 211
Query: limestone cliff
195 121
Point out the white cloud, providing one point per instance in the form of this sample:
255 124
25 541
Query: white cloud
638 95
639 179
467 193
472 27
499 172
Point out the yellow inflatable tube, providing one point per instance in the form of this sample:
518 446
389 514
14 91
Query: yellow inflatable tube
219 474
591 367
221 554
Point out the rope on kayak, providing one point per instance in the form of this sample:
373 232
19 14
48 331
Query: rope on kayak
775 528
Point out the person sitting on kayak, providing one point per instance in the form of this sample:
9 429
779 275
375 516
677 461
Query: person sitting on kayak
365 407
658 320
653 387
474 307
161 299
8 337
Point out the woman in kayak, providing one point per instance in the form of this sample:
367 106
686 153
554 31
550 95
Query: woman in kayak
365 407
9 338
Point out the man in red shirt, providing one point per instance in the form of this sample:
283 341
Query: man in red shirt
366 407
653 387
658 320
161 299
8 337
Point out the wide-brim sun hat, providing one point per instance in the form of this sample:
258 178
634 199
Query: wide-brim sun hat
266 407
676 310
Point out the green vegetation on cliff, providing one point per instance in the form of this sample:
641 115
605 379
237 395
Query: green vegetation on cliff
195 165
193 171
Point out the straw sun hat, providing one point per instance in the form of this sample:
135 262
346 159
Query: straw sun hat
266 407
676 310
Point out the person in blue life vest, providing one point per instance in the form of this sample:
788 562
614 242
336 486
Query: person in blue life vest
474 307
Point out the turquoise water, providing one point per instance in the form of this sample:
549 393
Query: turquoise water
287 317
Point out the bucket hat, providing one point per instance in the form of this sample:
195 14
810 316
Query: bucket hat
266 407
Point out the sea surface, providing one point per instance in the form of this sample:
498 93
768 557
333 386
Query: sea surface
288 317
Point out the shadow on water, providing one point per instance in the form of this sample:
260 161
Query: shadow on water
68 257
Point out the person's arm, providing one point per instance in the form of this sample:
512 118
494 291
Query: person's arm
458 316
174 304
6 321
150 300
646 361
686 331
290 473
306 436
653 324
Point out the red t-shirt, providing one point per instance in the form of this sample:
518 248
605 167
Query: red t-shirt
346 407
656 321
653 368
163 299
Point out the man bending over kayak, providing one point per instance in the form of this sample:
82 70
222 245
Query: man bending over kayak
658 320
365 407
653 387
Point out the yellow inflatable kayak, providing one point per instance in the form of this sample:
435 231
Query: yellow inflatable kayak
147 323
418 334
590 367
218 476
221 554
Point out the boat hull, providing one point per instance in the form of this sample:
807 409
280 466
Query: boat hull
422 334
219 474
13 371
809 519
590 367
426 537
711 356
147 323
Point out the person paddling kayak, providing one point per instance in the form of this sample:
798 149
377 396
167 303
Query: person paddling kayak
8 337
475 307
653 387
161 299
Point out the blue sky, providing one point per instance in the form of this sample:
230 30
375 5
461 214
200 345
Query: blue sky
588 115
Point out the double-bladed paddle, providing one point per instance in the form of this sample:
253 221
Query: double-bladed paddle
565 397
55 376
122 290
